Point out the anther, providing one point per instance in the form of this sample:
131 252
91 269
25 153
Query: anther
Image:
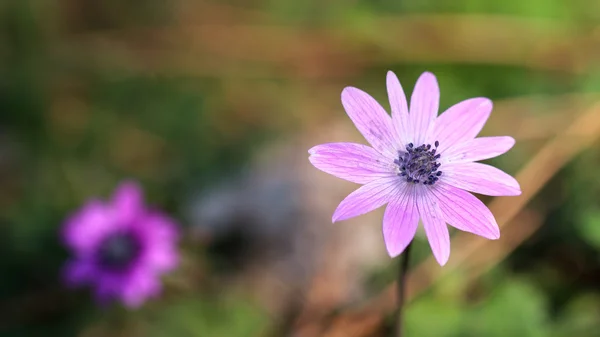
418 164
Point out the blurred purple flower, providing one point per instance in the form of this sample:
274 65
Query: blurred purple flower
419 164
120 247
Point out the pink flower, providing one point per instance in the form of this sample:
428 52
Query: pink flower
419 164
120 247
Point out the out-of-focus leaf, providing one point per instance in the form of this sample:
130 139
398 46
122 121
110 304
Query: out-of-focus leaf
515 309
580 318
434 316
202 317
589 227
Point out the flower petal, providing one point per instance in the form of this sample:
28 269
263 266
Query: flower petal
464 211
371 120
400 222
78 272
140 286
424 105
128 201
478 149
480 178
160 235
399 107
435 227
108 287
461 122
357 163
367 198
84 229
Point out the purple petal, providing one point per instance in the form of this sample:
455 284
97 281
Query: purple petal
84 229
424 105
461 122
128 201
367 198
78 272
435 227
400 222
464 211
140 286
399 107
371 120
480 178
478 149
160 235
357 163
162 260
107 289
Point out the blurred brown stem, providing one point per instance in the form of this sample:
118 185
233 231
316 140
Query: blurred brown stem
402 271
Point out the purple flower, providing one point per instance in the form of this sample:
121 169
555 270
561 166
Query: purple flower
420 165
120 247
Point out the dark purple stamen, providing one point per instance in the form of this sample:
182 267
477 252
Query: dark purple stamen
419 164
118 251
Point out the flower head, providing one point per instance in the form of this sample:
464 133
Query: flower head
419 164
120 247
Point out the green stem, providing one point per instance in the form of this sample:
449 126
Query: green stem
401 284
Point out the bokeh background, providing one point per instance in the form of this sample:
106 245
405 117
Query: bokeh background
212 106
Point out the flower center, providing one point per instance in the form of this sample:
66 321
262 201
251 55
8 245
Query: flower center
118 251
419 164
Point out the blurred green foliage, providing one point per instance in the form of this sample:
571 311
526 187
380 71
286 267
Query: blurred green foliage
208 317
514 308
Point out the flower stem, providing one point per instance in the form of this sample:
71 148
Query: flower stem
401 284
